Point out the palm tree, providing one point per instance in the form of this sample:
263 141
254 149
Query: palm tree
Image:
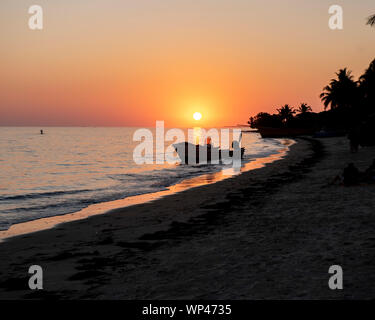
304 108
341 92
251 122
286 113
371 20
367 87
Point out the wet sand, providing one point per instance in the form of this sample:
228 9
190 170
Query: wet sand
269 233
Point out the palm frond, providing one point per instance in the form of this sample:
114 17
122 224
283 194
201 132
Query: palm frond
371 20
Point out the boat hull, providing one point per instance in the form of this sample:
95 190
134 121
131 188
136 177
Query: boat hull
197 154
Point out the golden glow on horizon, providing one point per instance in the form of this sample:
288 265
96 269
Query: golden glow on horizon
227 60
197 116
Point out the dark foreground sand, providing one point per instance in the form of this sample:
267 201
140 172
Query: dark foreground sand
268 233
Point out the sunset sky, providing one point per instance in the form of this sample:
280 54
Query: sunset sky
130 63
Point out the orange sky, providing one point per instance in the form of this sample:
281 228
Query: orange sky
119 63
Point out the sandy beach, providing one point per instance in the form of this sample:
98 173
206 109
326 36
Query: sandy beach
270 233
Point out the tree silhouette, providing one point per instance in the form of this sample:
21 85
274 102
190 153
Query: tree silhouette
304 108
264 119
367 87
371 20
341 92
286 113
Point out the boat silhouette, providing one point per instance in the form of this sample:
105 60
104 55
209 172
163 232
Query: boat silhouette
203 154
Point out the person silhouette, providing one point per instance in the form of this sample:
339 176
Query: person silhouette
351 175
354 138
370 173
208 141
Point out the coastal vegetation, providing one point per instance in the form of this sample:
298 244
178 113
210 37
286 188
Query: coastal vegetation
348 103
371 20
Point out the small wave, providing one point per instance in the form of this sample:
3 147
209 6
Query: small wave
43 194
106 183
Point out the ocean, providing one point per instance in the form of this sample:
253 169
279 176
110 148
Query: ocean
67 169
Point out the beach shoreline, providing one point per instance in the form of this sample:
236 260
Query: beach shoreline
269 233
40 224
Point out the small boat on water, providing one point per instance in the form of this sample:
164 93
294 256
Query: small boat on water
202 154
268 132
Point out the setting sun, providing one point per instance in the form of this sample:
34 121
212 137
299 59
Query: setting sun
197 116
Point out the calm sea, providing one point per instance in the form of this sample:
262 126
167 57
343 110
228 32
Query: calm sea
67 169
